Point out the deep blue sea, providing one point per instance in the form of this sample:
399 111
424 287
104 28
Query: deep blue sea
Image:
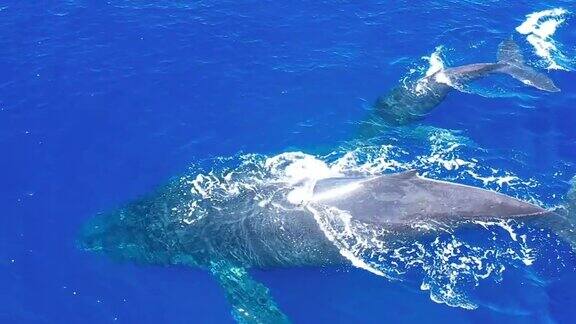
102 102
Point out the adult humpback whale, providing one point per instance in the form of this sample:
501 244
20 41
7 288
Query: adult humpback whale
408 103
248 231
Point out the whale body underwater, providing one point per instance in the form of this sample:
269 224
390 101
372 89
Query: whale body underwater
245 233
150 230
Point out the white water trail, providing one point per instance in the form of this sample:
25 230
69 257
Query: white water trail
539 29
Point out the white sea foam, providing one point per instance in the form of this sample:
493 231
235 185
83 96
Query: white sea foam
539 27
301 171
338 228
435 61
435 70
493 178
526 254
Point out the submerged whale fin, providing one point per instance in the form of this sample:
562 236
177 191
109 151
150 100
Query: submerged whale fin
250 300
512 61
563 222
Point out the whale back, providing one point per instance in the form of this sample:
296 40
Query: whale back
406 198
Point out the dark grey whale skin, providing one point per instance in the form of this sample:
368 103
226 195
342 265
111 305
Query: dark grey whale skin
404 198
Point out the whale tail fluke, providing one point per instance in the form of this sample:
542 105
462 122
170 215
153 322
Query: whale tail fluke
512 61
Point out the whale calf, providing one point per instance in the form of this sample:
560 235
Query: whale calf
412 102
244 233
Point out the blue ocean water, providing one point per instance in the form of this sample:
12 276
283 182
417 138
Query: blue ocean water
102 102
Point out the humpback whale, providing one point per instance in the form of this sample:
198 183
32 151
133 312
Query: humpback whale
166 227
151 229
414 101
245 233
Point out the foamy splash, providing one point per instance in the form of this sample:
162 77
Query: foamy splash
539 27
435 61
435 70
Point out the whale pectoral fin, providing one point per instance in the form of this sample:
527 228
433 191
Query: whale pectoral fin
512 63
250 300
